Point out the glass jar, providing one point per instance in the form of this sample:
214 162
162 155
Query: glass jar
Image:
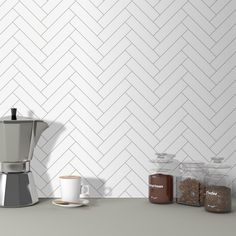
161 182
218 187
190 189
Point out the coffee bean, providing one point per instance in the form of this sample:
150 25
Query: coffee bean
160 188
218 199
190 192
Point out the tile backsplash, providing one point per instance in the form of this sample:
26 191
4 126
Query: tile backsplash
118 80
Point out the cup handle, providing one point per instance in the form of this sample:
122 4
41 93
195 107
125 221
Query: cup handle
84 190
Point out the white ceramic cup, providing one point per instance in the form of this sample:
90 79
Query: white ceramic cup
71 188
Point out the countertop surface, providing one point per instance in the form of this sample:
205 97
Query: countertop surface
115 217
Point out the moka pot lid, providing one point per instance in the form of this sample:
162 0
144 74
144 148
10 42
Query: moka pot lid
17 119
7 119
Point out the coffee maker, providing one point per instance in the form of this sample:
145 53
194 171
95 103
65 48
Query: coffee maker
18 137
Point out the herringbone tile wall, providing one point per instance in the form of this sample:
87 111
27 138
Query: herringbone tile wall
118 80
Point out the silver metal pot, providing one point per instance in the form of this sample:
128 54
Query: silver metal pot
18 137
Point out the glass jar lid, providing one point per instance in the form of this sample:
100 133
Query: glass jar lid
163 162
193 170
191 165
217 163
163 158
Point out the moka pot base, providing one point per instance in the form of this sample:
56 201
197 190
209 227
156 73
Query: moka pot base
17 188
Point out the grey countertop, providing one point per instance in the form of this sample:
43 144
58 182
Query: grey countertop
115 217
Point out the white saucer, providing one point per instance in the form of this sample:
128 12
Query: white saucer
61 203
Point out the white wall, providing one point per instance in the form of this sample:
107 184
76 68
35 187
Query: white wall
118 80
